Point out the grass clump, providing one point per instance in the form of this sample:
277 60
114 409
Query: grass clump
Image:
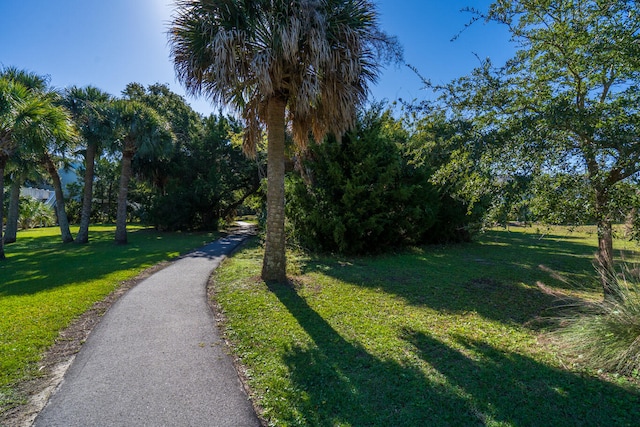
605 335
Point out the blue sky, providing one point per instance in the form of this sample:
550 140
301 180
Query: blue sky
111 43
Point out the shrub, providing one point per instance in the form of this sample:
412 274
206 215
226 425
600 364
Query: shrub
35 213
606 334
361 194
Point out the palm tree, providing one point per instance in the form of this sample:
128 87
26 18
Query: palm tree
26 117
30 166
88 107
138 130
40 148
11 228
305 63
50 163
19 168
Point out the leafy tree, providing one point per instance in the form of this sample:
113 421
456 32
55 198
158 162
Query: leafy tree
302 62
456 168
208 177
239 176
568 102
185 124
137 130
88 107
562 199
160 197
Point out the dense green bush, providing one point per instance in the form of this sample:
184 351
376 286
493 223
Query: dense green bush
35 213
362 194
205 177
205 180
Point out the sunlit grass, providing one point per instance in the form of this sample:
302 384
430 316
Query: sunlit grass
436 336
45 284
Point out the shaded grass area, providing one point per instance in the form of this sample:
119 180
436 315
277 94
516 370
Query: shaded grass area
434 336
45 284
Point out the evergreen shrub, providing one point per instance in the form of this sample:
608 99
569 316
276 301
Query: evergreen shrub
363 195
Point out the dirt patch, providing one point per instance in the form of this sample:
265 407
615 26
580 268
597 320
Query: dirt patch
59 357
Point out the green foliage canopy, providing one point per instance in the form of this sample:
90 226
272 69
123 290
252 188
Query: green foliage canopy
568 102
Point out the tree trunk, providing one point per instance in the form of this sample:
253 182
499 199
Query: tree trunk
604 257
121 214
229 210
11 231
87 196
109 202
3 164
63 221
274 262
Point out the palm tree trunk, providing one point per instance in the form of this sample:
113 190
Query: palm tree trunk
109 211
121 214
11 231
87 196
274 262
63 221
3 164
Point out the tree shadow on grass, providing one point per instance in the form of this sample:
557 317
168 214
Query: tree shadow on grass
498 277
514 389
343 384
44 263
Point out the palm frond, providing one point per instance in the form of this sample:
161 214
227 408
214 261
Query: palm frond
318 55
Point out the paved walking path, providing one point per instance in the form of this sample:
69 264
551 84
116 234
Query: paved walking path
156 358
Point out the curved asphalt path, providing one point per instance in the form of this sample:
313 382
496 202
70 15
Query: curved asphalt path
156 358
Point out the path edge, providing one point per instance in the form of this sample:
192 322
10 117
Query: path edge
57 359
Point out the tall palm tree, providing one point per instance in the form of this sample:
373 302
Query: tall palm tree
11 228
39 147
302 63
31 165
88 107
21 166
26 117
138 130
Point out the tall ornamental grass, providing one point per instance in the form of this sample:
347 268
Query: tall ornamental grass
605 335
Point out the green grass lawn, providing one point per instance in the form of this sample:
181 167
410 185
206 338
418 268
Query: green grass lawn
436 336
45 284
